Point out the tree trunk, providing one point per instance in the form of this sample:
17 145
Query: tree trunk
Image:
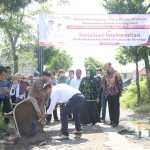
137 79
147 69
15 64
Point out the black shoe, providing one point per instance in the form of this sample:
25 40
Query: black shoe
115 125
111 123
57 120
93 123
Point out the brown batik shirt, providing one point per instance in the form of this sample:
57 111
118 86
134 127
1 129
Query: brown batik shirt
112 83
37 89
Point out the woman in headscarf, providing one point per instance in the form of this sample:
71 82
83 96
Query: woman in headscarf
90 89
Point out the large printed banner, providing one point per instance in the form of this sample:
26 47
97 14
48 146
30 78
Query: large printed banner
94 30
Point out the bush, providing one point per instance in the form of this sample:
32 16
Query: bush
3 126
129 98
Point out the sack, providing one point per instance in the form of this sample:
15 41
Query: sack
23 87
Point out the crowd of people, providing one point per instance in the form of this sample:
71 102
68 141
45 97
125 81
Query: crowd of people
81 99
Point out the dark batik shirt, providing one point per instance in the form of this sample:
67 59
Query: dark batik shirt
113 83
89 88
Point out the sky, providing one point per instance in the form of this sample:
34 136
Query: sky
100 53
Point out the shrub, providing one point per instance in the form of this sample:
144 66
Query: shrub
129 98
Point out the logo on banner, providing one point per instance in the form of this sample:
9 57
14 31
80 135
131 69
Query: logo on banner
66 17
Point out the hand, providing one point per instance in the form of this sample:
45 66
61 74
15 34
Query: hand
29 88
43 117
97 100
41 97
120 95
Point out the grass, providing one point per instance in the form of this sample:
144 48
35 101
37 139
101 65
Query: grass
144 108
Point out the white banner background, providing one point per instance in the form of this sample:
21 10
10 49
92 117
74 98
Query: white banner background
94 30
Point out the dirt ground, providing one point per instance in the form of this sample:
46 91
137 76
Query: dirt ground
95 137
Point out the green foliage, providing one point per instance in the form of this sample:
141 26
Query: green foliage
125 6
3 126
49 54
129 98
16 5
92 63
62 60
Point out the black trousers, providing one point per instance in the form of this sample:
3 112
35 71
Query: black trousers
48 118
114 108
98 106
6 107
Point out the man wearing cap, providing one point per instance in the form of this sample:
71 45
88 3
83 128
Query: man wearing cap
37 89
49 33
74 99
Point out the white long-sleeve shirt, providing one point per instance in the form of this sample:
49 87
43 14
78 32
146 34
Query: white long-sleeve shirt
75 83
61 93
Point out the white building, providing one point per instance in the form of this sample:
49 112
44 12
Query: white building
27 70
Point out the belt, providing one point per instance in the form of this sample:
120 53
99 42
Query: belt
90 100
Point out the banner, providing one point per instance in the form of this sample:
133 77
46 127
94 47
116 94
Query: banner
94 30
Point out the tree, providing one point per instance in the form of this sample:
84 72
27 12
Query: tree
92 63
145 52
62 60
16 5
20 35
127 55
49 54
131 7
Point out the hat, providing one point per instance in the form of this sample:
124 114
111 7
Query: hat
36 72
51 21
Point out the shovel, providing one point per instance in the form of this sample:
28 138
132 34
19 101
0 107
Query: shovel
33 126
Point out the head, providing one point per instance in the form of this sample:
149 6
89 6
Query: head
78 73
107 67
47 89
71 74
8 70
3 73
52 74
59 25
36 74
46 75
89 73
98 72
61 73
50 23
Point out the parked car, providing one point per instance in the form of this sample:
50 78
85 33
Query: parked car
126 83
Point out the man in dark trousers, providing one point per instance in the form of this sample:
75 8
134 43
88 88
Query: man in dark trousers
113 90
74 99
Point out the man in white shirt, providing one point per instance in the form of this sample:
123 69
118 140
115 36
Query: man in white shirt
76 82
74 99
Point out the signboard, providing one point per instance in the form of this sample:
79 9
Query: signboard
94 30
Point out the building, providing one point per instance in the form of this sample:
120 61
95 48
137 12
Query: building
27 70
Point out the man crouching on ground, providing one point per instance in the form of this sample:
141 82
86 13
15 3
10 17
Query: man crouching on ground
62 93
